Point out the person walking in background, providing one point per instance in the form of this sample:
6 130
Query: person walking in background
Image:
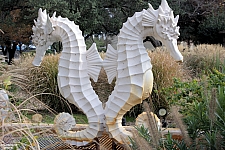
7 48
4 50
12 52
3 46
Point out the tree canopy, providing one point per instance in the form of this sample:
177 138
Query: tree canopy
199 21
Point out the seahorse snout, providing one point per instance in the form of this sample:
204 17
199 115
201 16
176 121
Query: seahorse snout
36 62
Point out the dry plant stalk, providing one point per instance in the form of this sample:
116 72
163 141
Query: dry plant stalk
152 125
126 144
212 105
141 143
178 120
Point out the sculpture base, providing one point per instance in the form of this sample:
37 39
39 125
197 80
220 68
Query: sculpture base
101 142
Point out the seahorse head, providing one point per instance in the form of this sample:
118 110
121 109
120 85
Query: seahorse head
164 26
42 35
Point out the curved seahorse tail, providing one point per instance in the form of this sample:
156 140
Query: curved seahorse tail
94 113
63 124
118 132
117 107
81 138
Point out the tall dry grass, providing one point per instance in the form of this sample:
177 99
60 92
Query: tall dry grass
42 82
165 69
201 59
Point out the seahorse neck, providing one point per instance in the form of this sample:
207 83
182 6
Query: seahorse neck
131 50
71 36
131 34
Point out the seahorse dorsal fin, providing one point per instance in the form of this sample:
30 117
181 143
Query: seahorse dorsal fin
110 63
94 62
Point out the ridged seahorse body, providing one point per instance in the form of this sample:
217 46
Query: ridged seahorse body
134 79
74 76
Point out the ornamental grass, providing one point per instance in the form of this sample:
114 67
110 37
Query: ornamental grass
202 59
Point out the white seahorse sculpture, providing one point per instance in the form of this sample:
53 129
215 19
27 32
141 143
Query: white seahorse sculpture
130 65
76 66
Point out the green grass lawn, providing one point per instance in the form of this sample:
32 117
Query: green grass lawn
49 118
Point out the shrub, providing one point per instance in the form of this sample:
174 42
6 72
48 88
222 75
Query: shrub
205 125
203 107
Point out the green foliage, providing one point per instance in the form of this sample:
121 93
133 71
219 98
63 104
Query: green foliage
133 145
170 144
201 122
7 83
184 93
220 114
31 10
208 30
217 78
143 132
188 92
141 139
197 119
100 43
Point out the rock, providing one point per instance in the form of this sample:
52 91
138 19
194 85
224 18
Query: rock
5 111
37 118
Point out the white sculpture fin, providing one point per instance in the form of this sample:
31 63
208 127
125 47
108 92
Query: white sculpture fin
110 63
94 62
